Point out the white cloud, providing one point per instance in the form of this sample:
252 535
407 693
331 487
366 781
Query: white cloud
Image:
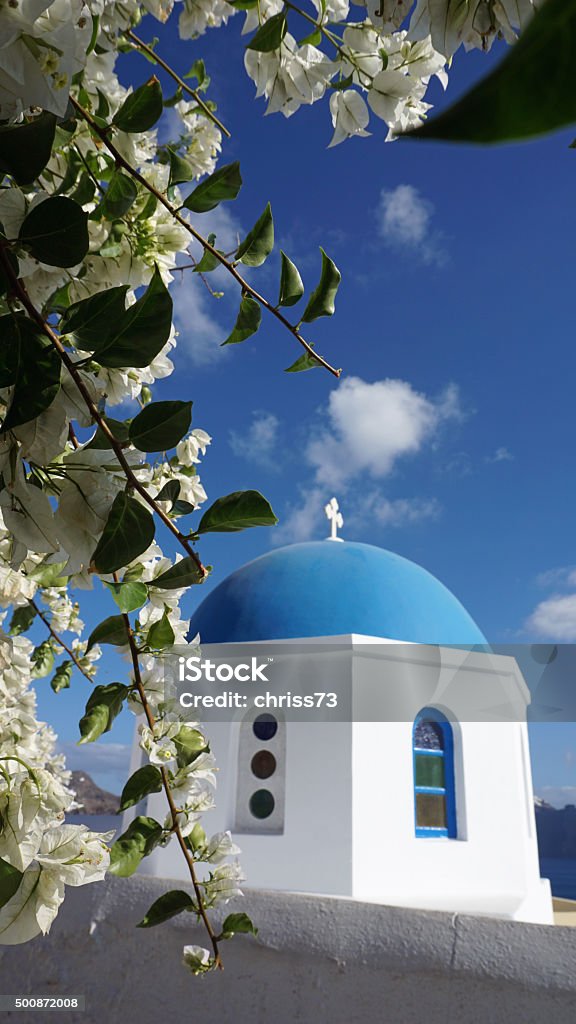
365 430
307 520
395 511
554 619
101 756
258 442
200 334
500 455
107 763
565 577
404 222
302 521
371 426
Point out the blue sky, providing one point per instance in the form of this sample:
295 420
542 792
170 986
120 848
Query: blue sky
457 267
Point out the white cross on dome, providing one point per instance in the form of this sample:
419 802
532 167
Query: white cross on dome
333 514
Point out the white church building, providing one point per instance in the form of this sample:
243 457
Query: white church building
423 796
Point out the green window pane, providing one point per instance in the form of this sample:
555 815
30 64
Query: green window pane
430 810
262 803
429 770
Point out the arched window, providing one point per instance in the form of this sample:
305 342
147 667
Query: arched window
261 783
434 795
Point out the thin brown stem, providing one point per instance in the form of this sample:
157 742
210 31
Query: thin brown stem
141 45
72 436
21 294
58 638
173 809
247 289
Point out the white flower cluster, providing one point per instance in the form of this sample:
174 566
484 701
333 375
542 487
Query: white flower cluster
191 785
390 69
44 854
42 46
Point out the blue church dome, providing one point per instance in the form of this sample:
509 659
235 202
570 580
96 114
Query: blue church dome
327 588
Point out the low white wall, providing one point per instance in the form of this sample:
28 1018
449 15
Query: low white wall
317 960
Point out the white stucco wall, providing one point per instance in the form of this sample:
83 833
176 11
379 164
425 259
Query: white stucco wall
316 960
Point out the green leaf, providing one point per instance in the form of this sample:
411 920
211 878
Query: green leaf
22 619
85 190
145 780
270 34
518 100
314 39
128 532
56 232
238 924
180 169
160 426
119 429
49 574
120 195
198 71
243 5
110 631
169 492
175 98
224 184
247 321
10 878
90 320
10 333
160 634
304 362
237 511
321 302
128 596
103 108
291 285
25 148
259 242
139 839
30 363
182 508
6 282
342 83
142 109
68 182
183 574
102 707
209 261
141 331
42 659
62 677
189 743
135 572
167 906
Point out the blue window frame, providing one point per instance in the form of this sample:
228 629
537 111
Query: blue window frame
433 759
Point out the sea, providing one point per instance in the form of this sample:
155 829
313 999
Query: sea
562 874
97 822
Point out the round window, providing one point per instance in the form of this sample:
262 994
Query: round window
262 803
263 764
265 727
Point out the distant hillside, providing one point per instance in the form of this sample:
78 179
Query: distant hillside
93 799
556 830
